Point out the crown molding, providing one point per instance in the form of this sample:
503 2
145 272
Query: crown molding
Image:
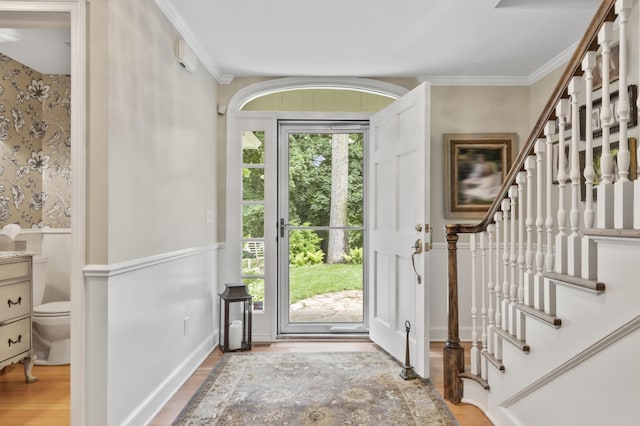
183 29
553 64
452 80
468 80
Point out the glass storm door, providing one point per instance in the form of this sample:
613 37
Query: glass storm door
321 234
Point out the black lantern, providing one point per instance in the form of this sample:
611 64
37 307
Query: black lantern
235 318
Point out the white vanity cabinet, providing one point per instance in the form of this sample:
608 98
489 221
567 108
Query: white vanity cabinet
16 310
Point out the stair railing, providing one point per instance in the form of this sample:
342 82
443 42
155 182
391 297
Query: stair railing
515 276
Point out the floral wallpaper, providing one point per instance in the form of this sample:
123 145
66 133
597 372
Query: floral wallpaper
35 147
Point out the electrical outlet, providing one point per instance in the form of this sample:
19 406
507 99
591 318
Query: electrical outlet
209 216
186 325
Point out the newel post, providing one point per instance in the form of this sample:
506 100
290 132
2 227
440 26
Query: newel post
453 354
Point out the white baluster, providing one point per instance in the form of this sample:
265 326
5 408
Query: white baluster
497 348
521 180
513 260
605 188
538 286
530 168
475 353
623 188
506 206
589 260
636 183
574 241
549 287
483 295
490 286
561 238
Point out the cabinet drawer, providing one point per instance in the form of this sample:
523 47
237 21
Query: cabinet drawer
15 300
15 338
14 270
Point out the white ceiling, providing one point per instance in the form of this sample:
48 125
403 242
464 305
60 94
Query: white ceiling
44 43
443 41
46 51
437 40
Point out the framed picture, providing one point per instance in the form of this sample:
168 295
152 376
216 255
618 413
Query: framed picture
475 166
597 155
614 73
596 124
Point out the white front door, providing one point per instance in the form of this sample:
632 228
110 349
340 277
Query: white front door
399 215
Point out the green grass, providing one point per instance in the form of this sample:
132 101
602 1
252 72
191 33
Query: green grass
308 281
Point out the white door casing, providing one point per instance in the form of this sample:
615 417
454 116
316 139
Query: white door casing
265 324
77 13
398 202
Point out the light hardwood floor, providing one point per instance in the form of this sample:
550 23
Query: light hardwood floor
46 402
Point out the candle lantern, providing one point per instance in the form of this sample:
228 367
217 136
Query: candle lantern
235 318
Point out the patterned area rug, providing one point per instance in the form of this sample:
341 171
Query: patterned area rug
340 388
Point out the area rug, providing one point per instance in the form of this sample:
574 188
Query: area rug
338 388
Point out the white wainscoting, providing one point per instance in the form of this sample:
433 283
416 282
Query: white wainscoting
139 351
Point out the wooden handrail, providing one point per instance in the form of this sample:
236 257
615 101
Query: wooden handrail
453 351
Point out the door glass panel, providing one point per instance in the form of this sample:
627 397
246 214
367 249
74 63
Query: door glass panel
253 258
253 184
356 180
253 147
255 287
253 220
324 279
322 168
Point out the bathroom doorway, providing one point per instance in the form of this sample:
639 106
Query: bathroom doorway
36 23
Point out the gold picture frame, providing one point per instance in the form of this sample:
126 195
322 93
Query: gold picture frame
475 166
614 72
597 154
596 125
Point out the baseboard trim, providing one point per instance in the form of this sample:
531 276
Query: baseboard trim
440 334
151 406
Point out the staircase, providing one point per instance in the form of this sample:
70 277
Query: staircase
555 280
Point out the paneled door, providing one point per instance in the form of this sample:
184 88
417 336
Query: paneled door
398 221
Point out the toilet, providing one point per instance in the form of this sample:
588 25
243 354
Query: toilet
51 321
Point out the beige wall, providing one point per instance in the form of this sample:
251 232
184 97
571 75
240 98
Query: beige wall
464 109
540 91
97 134
152 151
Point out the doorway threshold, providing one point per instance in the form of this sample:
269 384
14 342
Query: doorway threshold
324 337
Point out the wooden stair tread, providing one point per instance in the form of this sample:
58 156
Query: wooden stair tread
616 233
520 344
551 320
482 382
592 286
493 360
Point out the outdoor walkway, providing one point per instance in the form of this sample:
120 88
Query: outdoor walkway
342 306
